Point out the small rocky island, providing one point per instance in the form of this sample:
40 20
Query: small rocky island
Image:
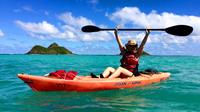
54 48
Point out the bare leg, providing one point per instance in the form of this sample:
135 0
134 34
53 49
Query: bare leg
119 71
107 72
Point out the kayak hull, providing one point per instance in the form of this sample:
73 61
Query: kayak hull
86 83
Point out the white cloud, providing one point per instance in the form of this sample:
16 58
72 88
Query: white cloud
195 39
93 2
74 21
28 8
165 19
1 33
40 30
70 29
137 18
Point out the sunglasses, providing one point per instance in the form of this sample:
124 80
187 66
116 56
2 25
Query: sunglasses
133 45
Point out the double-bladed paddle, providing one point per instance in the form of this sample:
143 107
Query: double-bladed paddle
178 30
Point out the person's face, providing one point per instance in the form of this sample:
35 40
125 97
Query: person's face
132 48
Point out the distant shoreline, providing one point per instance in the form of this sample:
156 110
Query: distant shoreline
96 55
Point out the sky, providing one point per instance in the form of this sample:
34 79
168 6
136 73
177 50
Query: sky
25 23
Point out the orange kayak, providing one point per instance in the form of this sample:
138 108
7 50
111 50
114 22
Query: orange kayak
86 83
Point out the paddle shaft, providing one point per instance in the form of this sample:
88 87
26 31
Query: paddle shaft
132 29
178 30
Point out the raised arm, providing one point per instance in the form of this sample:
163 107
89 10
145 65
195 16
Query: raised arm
140 49
118 40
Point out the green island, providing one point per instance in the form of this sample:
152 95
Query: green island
54 48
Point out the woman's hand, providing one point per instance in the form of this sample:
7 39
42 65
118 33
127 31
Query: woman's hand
118 39
116 30
147 31
140 49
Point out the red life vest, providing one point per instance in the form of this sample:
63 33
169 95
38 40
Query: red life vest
129 61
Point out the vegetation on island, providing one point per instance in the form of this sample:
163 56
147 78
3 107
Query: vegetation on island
54 48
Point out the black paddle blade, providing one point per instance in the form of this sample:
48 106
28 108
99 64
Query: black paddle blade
90 28
179 30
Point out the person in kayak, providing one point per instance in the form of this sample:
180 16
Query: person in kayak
130 58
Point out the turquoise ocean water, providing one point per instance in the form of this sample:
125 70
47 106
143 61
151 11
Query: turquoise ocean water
179 93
